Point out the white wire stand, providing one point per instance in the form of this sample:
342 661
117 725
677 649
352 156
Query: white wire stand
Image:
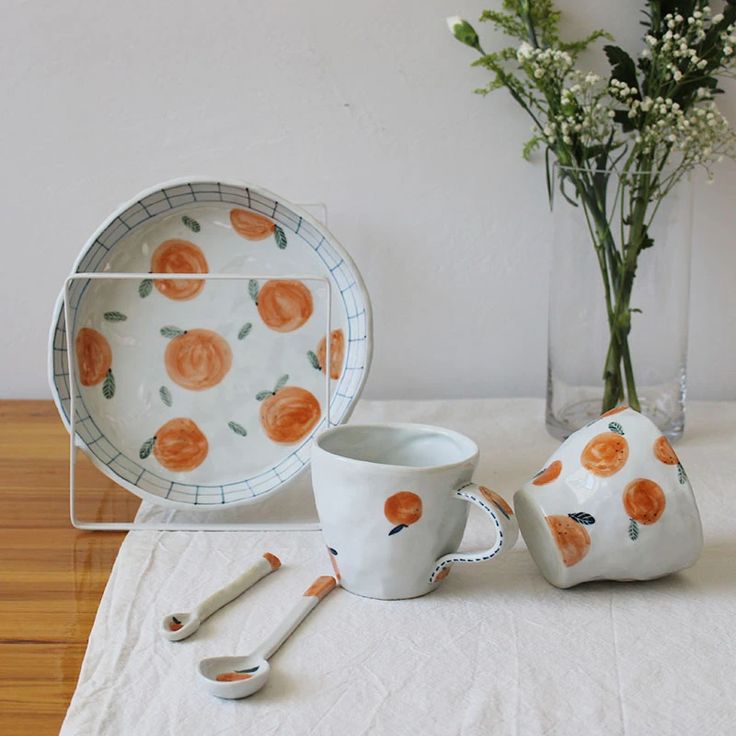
76 442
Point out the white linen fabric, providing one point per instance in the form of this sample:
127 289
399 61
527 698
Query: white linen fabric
495 650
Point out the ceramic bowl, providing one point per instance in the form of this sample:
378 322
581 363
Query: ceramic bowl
202 393
612 503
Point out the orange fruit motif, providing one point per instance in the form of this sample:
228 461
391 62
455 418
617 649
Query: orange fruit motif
572 539
550 473
615 410
251 225
94 357
179 256
402 509
442 574
290 414
663 451
233 676
498 501
175 624
285 305
198 359
644 501
605 454
337 353
179 445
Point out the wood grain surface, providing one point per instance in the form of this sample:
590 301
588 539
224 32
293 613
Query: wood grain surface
51 575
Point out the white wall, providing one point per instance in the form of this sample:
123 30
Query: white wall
365 106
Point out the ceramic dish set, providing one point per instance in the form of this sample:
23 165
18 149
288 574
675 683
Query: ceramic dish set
217 339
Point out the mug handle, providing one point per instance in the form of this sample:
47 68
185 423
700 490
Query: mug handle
501 514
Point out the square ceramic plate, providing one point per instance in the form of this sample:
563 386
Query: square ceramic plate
204 393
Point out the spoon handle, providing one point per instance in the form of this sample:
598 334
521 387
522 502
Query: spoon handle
266 564
312 596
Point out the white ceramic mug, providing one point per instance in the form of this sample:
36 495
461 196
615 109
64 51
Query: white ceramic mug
393 503
612 503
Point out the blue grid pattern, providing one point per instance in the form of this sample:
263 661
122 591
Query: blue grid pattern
343 279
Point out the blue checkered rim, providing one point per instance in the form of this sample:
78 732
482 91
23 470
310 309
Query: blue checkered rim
344 277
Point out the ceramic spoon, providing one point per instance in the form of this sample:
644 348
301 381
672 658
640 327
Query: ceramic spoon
238 677
178 626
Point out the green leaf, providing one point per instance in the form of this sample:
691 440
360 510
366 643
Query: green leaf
191 223
261 395
280 237
253 290
115 317
237 428
245 330
165 395
146 448
633 530
171 331
622 66
281 382
616 427
145 287
314 360
681 474
108 386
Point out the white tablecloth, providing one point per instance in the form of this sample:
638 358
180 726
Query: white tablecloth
495 650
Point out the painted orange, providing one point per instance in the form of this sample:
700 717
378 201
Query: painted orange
499 501
615 410
290 414
644 500
180 445
605 454
550 473
285 305
403 507
272 560
94 356
179 256
251 225
321 586
442 574
198 359
233 676
663 451
337 353
173 626
572 539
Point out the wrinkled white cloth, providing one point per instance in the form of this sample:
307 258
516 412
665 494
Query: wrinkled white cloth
495 650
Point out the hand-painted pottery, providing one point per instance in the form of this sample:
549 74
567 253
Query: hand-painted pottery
393 503
203 392
612 503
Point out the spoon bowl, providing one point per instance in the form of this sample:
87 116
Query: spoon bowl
178 626
234 677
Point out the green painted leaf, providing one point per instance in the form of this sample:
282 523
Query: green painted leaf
314 360
253 290
108 386
115 317
191 223
582 518
261 395
146 448
171 331
145 287
237 428
633 530
280 236
245 330
281 382
681 474
165 395
616 427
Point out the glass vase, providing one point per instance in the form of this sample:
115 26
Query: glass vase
618 299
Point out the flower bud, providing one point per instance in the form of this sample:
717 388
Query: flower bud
464 32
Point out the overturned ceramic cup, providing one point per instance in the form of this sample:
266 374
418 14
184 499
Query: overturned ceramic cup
612 503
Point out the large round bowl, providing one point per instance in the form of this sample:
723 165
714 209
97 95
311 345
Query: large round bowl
204 393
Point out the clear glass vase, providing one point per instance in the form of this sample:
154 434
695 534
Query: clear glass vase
617 337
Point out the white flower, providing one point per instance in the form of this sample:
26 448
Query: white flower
718 18
538 72
525 51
